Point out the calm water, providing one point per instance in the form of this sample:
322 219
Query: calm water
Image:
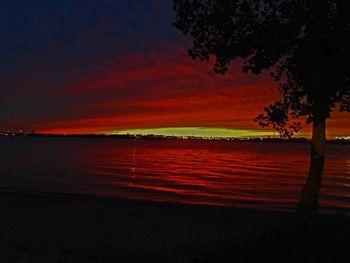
259 175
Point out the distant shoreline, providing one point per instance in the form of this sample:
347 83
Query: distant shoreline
163 137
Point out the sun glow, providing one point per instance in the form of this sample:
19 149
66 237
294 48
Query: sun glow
197 132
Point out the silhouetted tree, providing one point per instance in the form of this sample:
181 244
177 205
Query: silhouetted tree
305 44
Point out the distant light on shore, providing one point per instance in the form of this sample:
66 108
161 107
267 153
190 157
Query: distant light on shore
343 138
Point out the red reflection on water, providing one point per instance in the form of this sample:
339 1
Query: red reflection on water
257 175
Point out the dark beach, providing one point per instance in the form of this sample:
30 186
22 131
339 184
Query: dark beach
38 227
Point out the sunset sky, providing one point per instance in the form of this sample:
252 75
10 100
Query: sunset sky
119 66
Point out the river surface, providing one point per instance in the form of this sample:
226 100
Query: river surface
257 175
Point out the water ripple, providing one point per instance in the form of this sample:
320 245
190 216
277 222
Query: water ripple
259 175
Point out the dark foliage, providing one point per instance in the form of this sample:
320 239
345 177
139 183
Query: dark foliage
305 44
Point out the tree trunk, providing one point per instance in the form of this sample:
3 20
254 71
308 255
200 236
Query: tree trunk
308 202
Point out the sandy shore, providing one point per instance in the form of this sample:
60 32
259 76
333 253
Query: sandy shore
68 228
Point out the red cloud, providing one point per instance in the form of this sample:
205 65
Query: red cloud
162 89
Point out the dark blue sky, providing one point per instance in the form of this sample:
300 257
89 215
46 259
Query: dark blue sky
80 29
